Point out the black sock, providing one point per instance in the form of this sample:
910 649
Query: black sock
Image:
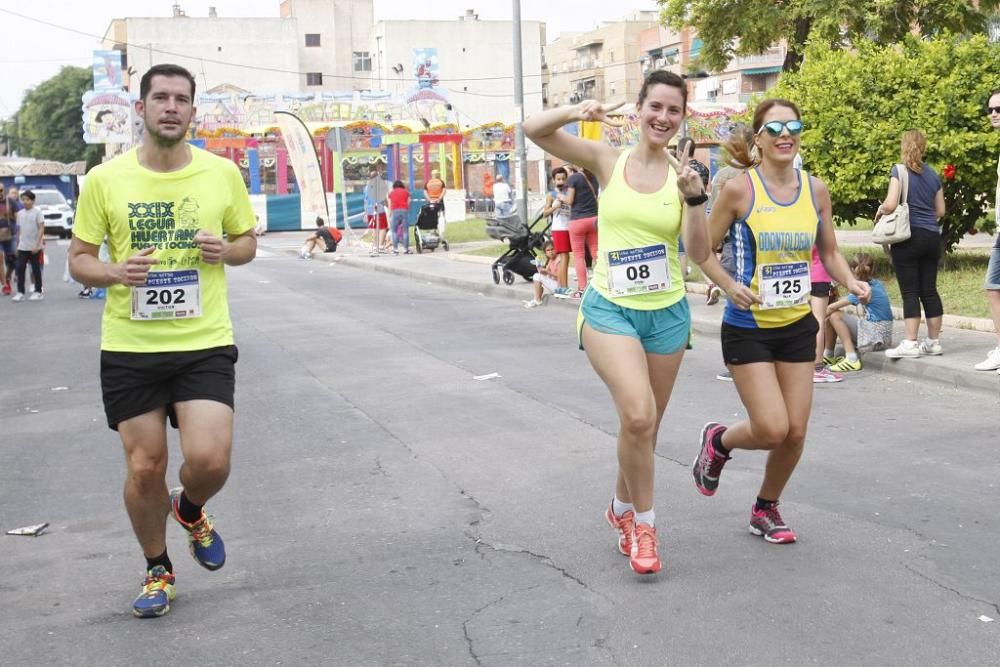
188 511
717 443
763 504
163 559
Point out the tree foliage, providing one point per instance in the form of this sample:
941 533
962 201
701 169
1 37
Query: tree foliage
48 126
748 27
856 105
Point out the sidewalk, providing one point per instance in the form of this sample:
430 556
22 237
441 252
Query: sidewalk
963 347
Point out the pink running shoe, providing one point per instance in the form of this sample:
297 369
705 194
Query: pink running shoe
768 524
624 524
708 465
645 556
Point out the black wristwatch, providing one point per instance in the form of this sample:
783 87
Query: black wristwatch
697 199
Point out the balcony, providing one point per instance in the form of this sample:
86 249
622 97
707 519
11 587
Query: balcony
773 57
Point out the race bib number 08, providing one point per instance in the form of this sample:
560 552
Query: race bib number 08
638 271
784 285
167 295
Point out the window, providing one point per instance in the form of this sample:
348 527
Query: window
312 39
314 78
362 61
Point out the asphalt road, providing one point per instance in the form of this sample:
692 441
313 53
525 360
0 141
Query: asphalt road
386 508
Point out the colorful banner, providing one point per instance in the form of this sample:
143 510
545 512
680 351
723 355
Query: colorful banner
107 117
427 70
305 163
255 113
108 74
706 123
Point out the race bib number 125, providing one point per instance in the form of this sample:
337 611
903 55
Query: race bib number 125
167 295
784 285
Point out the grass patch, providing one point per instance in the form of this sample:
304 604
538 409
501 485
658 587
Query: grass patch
488 251
466 231
960 279
860 225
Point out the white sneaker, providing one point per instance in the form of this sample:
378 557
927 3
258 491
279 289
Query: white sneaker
532 304
17 297
992 361
930 347
907 349
36 296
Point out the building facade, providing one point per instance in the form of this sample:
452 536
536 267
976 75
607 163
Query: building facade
602 64
313 45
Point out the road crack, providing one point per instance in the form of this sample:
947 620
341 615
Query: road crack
964 596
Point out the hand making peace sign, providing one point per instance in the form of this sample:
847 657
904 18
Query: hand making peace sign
688 181
593 110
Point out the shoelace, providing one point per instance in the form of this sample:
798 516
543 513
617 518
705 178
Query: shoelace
774 517
201 531
626 524
645 538
156 582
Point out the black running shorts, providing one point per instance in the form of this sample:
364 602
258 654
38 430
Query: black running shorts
134 383
821 289
793 343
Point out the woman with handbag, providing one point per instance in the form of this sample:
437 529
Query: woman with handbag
915 260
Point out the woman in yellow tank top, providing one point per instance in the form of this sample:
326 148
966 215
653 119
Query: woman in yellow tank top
634 319
774 216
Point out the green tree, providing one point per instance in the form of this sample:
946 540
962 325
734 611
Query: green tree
748 27
48 126
857 104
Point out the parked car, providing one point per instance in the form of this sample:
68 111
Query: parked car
57 212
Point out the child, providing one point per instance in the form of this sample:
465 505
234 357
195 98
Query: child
874 332
30 238
545 278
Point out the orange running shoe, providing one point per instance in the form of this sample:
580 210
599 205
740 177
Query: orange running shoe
624 524
645 556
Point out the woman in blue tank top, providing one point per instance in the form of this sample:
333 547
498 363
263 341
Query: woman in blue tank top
774 215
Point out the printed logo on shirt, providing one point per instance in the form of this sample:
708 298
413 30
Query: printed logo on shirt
158 224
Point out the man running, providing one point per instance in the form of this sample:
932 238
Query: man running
173 215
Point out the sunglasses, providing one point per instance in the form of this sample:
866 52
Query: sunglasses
992 110
776 127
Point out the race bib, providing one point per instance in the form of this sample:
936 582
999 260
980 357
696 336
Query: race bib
638 271
784 285
167 295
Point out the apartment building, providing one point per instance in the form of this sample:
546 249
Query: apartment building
603 63
744 76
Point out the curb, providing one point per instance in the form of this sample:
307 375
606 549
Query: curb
924 369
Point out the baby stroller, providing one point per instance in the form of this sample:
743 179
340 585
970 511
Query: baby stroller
425 232
523 239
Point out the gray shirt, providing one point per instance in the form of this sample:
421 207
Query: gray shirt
30 227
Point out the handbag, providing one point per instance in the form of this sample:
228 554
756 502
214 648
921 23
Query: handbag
895 227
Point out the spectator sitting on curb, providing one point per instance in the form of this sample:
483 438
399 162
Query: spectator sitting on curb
873 332
546 278
330 236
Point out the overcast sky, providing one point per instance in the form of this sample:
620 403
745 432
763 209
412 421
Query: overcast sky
32 51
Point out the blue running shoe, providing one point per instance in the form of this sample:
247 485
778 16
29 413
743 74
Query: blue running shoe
205 544
157 592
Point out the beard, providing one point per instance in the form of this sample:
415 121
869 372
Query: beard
162 140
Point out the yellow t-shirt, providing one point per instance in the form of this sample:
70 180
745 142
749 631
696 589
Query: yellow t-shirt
137 208
637 264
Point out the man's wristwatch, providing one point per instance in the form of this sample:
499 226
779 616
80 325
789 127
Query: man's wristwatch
697 199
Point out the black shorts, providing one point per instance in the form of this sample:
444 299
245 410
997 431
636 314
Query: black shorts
821 289
134 383
794 343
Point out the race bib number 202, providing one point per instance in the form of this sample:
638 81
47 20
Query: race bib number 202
167 295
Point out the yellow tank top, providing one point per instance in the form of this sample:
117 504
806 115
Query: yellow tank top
772 249
637 265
